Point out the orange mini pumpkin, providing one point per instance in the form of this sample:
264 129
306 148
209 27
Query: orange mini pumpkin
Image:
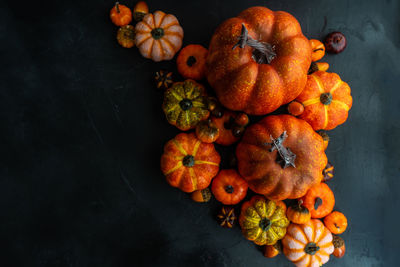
297 213
319 200
318 49
309 244
271 251
203 195
188 163
265 171
267 66
207 131
229 187
120 15
191 61
336 222
326 100
159 36
340 247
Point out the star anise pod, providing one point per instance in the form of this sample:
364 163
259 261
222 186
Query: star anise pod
163 79
226 218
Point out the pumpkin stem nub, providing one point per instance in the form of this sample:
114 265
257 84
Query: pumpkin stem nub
229 189
317 203
285 156
311 248
326 98
265 224
263 52
117 7
191 61
157 33
188 161
186 104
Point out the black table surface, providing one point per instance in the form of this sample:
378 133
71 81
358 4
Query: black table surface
82 132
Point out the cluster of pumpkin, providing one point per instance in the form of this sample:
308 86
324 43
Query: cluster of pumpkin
157 35
281 157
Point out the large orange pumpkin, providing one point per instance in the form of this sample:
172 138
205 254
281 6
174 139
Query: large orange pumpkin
258 60
326 100
264 170
188 163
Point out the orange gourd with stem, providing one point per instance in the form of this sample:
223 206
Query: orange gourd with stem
120 15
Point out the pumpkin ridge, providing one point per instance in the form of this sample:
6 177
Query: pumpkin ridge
169 25
341 103
311 101
298 251
173 33
145 21
301 232
319 83
162 14
196 148
142 41
180 148
193 177
168 42
176 167
336 86
198 162
326 117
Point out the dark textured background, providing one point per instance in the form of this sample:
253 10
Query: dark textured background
82 132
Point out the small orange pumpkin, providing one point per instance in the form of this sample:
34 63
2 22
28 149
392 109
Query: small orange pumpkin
229 187
297 213
340 247
191 61
188 163
140 10
295 108
126 36
203 195
336 222
319 200
326 100
207 131
308 244
281 204
325 137
317 49
120 15
271 251
316 66
159 36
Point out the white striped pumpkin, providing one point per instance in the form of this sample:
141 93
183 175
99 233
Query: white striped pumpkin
309 244
159 36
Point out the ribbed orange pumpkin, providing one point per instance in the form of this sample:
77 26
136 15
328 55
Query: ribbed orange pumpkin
326 100
188 163
260 167
308 245
264 71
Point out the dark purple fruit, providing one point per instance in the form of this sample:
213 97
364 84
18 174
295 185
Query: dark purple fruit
335 42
